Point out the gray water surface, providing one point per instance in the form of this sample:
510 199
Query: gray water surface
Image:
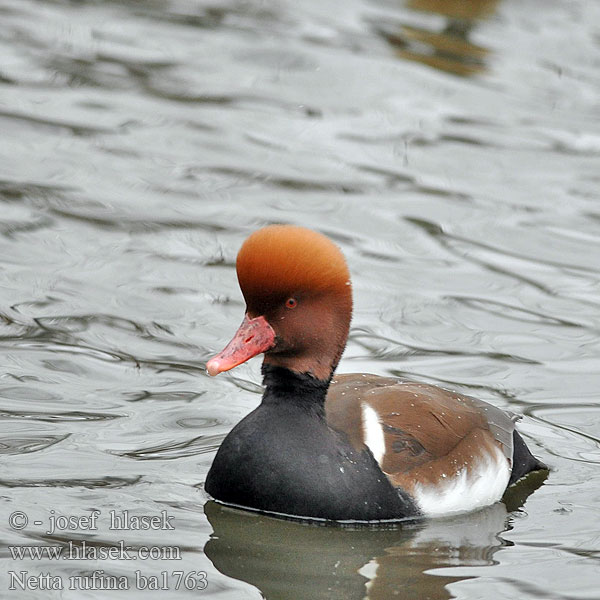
452 150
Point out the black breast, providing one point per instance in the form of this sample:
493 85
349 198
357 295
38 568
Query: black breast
284 458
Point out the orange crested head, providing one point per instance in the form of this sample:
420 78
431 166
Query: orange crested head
283 260
298 302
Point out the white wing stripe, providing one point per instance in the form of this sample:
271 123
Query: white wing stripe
373 432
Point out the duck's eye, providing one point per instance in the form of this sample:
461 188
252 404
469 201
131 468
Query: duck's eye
291 303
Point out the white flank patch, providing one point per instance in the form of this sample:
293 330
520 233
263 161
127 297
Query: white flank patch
373 432
482 485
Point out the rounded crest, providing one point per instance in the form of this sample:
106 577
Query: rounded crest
281 260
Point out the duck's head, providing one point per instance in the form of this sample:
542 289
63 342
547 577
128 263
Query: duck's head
298 302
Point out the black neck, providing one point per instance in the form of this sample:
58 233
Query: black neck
283 385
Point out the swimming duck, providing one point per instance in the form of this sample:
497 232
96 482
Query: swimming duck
352 447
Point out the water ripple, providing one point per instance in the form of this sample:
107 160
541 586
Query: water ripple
57 417
88 483
26 445
174 450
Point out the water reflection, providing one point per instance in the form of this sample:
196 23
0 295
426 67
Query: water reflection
448 48
286 559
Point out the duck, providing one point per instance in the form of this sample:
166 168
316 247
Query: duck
349 447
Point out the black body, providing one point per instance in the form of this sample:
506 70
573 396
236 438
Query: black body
284 458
